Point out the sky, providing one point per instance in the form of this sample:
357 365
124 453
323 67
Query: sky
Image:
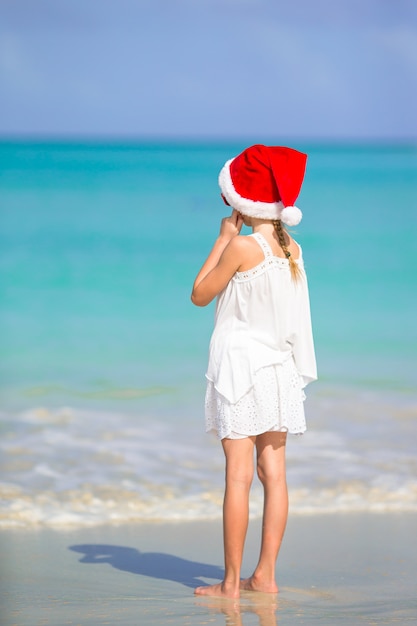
308 69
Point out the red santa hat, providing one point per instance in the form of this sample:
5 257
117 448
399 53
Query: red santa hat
264 182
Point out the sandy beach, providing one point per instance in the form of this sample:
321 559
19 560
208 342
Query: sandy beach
333 569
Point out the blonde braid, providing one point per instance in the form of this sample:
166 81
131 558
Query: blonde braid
294 269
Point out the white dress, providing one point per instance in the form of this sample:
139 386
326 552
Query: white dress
261 351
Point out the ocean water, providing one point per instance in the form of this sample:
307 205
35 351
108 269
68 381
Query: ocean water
103 355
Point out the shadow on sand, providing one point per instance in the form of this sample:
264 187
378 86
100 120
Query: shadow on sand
153 564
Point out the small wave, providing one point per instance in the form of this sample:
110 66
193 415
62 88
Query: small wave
103 393
77 467
113 505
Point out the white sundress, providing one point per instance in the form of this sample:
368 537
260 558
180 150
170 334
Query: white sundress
261 351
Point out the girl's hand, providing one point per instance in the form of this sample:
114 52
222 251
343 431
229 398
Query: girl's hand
222 262
231 226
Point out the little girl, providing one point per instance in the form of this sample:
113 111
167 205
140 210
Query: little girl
261 351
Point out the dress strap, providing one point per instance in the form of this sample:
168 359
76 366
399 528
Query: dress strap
266 248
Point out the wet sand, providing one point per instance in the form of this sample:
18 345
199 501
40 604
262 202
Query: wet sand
333 569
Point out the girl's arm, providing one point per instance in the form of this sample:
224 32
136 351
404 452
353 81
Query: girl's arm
223 261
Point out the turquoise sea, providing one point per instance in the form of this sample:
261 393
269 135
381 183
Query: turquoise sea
103 355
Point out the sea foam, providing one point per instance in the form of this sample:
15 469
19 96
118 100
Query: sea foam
82 467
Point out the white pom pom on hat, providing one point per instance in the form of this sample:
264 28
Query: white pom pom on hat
264 182
291 215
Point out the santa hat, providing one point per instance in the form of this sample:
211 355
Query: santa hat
264 182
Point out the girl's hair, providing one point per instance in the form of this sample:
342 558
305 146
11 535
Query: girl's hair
294 268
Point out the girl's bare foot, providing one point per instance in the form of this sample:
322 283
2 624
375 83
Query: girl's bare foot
255 584
224 590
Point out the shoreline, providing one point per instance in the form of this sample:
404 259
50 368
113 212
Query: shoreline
333 569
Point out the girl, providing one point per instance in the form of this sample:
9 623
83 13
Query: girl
261 351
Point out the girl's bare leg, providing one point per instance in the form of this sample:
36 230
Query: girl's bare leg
270 449
239 475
